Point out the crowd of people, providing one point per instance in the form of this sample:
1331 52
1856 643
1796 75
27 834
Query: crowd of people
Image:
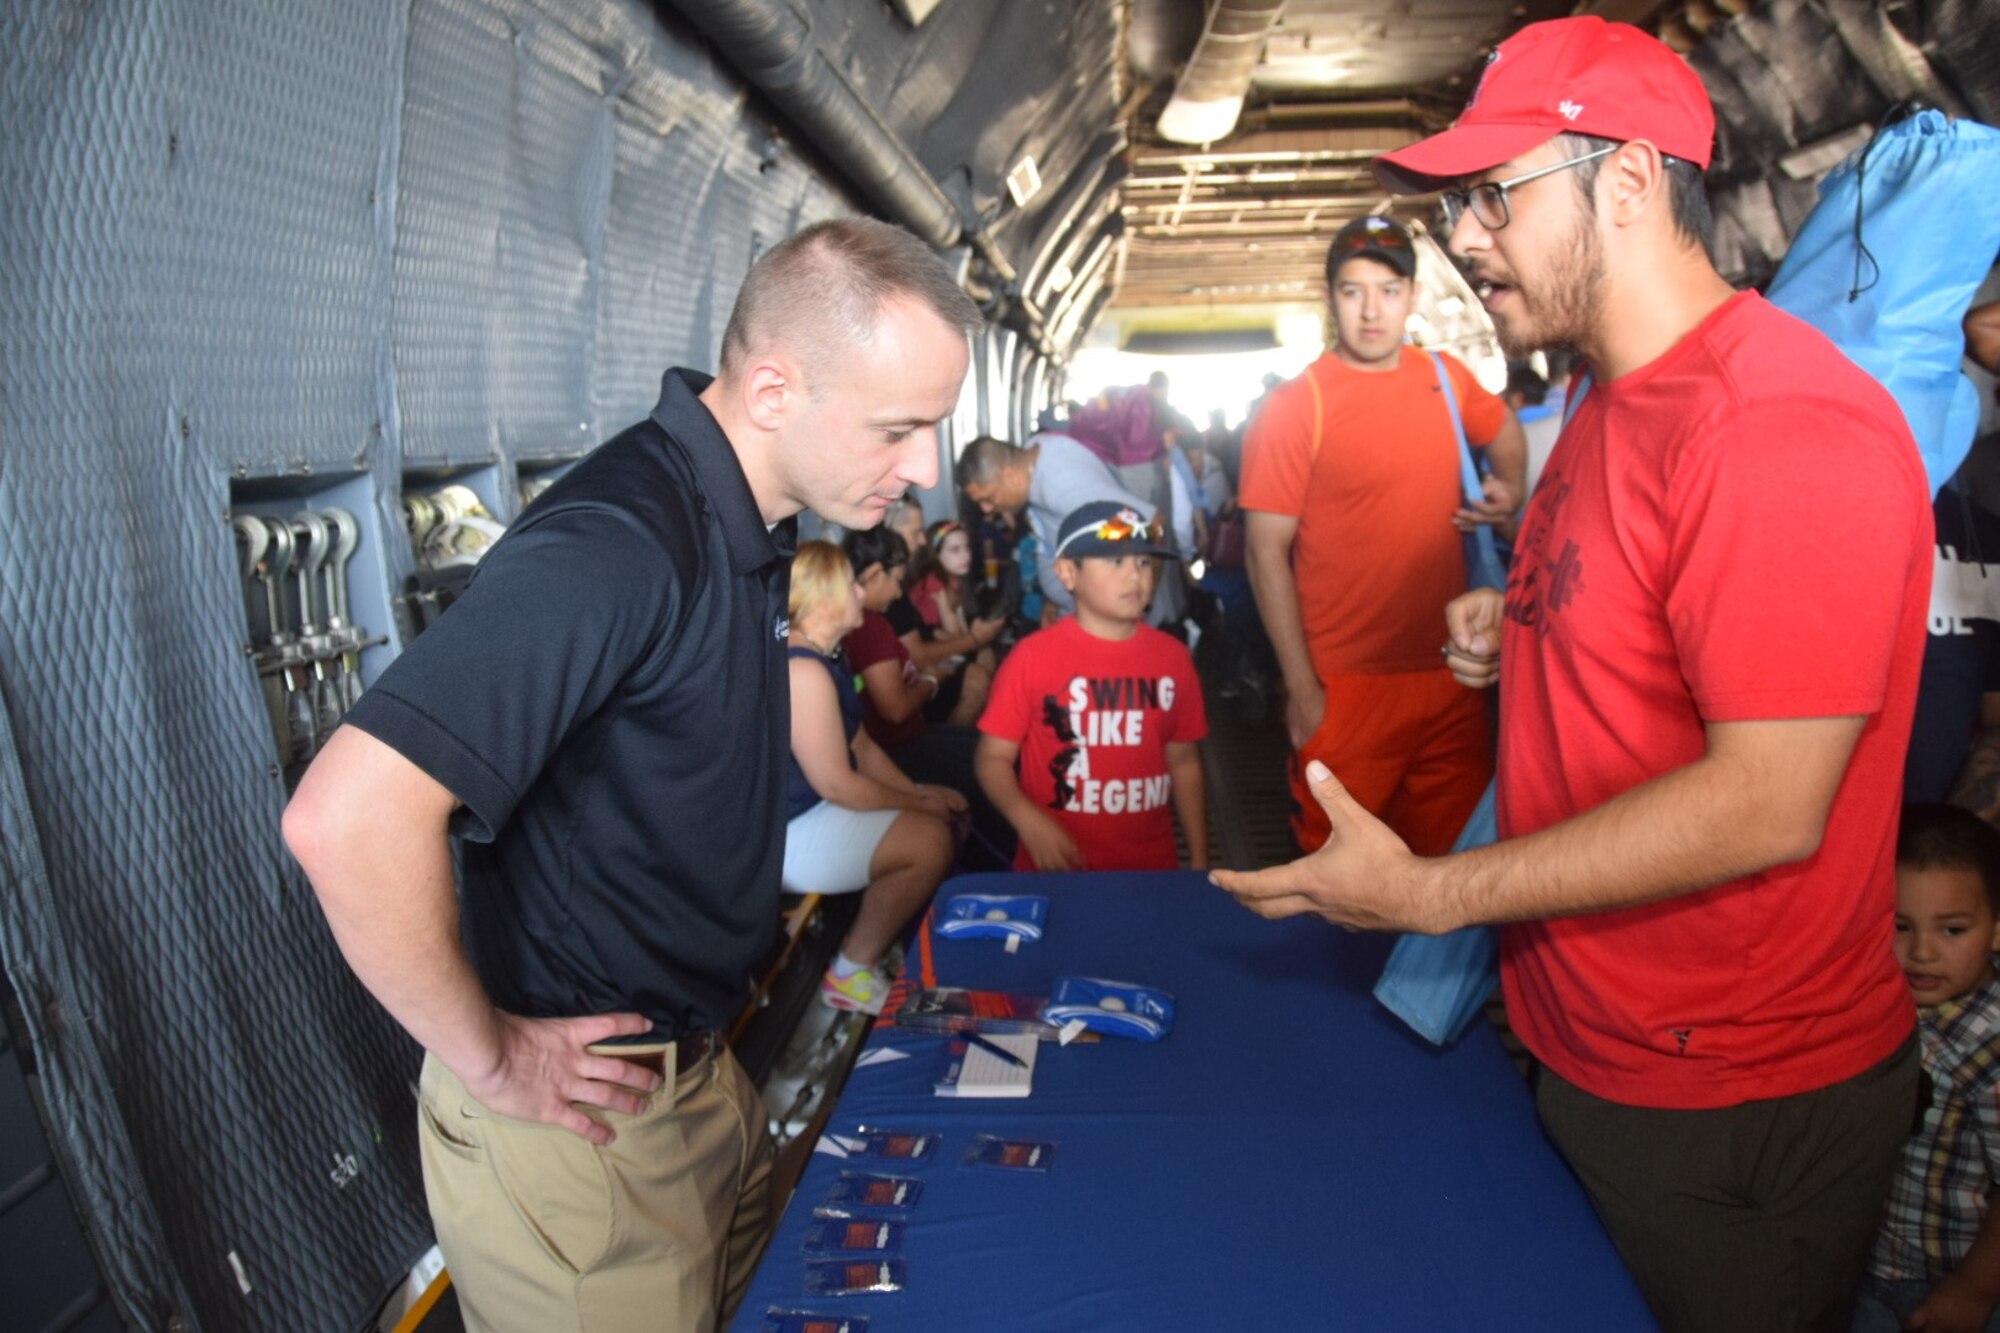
1743 968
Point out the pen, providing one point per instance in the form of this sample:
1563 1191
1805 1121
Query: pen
995 1048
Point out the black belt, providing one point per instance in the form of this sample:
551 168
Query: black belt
689 1051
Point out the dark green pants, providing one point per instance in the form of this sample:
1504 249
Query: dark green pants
1756 1217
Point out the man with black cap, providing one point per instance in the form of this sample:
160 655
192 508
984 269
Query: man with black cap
1351 484
1701 760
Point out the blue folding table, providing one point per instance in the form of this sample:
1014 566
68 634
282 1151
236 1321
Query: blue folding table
1289 1157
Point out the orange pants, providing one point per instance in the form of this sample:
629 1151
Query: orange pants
1415 749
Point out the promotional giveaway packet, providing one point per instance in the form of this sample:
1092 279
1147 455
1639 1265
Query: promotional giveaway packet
994 1153
848 1238
808 1321
893 1145
853 1277
993 916
951 1009
1115 1008
862 1194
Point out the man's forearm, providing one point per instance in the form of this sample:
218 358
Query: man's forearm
1002 786
1702 825
1191 806
388 893
1277 595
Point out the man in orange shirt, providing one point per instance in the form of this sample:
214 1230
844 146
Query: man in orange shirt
1351 481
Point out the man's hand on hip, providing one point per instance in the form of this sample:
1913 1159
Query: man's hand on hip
545 1072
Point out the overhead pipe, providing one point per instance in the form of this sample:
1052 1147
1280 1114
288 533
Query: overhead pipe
1080 198
772 46
1208 99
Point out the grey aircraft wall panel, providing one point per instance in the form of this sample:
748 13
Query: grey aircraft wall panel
191 292
702 181
254 251
546 277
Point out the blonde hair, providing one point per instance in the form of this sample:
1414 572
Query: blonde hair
820 577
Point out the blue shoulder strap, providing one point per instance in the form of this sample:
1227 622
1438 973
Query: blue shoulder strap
1482 558
1579 385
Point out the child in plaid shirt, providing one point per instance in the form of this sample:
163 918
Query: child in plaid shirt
1936 1263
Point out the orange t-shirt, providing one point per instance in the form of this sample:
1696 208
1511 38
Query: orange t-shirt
1376 557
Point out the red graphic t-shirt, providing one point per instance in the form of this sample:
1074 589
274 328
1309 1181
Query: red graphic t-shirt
1739 531
1093 718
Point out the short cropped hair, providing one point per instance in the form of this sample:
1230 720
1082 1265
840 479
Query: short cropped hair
983 459
1687 196
876 546
1944 837
819 293
821 576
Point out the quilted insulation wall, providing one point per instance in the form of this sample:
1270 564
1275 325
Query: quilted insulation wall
280 252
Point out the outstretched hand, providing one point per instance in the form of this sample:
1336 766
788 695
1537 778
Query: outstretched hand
1361 878
545 1072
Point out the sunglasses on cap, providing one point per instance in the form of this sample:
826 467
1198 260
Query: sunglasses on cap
1123 526
1385 237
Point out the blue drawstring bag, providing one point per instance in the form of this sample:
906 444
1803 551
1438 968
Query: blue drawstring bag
1482 555
1887 262
1439 983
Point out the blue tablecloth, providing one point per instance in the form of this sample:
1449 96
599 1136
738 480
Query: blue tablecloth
1289 1157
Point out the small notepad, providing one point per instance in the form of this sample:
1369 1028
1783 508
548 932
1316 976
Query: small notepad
970 1071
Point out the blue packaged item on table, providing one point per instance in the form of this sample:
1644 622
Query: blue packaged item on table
853 1277
860 1194
854 1236
993 916
806 1321
1115 1008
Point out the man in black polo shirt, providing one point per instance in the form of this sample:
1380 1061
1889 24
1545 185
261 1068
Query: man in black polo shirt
603 720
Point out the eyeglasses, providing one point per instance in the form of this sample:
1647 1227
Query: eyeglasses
1488 201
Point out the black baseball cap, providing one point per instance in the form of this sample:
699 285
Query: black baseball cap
1373 237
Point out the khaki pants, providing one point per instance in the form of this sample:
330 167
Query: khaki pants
543 1232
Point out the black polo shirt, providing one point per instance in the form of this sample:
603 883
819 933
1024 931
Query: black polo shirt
609 702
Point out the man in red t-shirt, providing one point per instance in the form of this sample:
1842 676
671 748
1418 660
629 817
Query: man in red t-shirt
1705 705
1352 481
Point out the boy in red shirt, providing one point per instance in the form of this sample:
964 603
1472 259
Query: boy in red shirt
1102 712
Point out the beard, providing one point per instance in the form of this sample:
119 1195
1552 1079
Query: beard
1561 308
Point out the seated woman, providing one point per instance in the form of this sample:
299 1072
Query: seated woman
856 822
931 621
895 689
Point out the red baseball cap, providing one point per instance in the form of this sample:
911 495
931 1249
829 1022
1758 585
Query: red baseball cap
1565 76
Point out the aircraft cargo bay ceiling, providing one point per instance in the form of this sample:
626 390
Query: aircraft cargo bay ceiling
1223 209
1199 153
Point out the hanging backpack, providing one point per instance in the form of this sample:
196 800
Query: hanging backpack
1887 262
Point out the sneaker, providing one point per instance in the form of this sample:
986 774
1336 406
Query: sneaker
864 992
